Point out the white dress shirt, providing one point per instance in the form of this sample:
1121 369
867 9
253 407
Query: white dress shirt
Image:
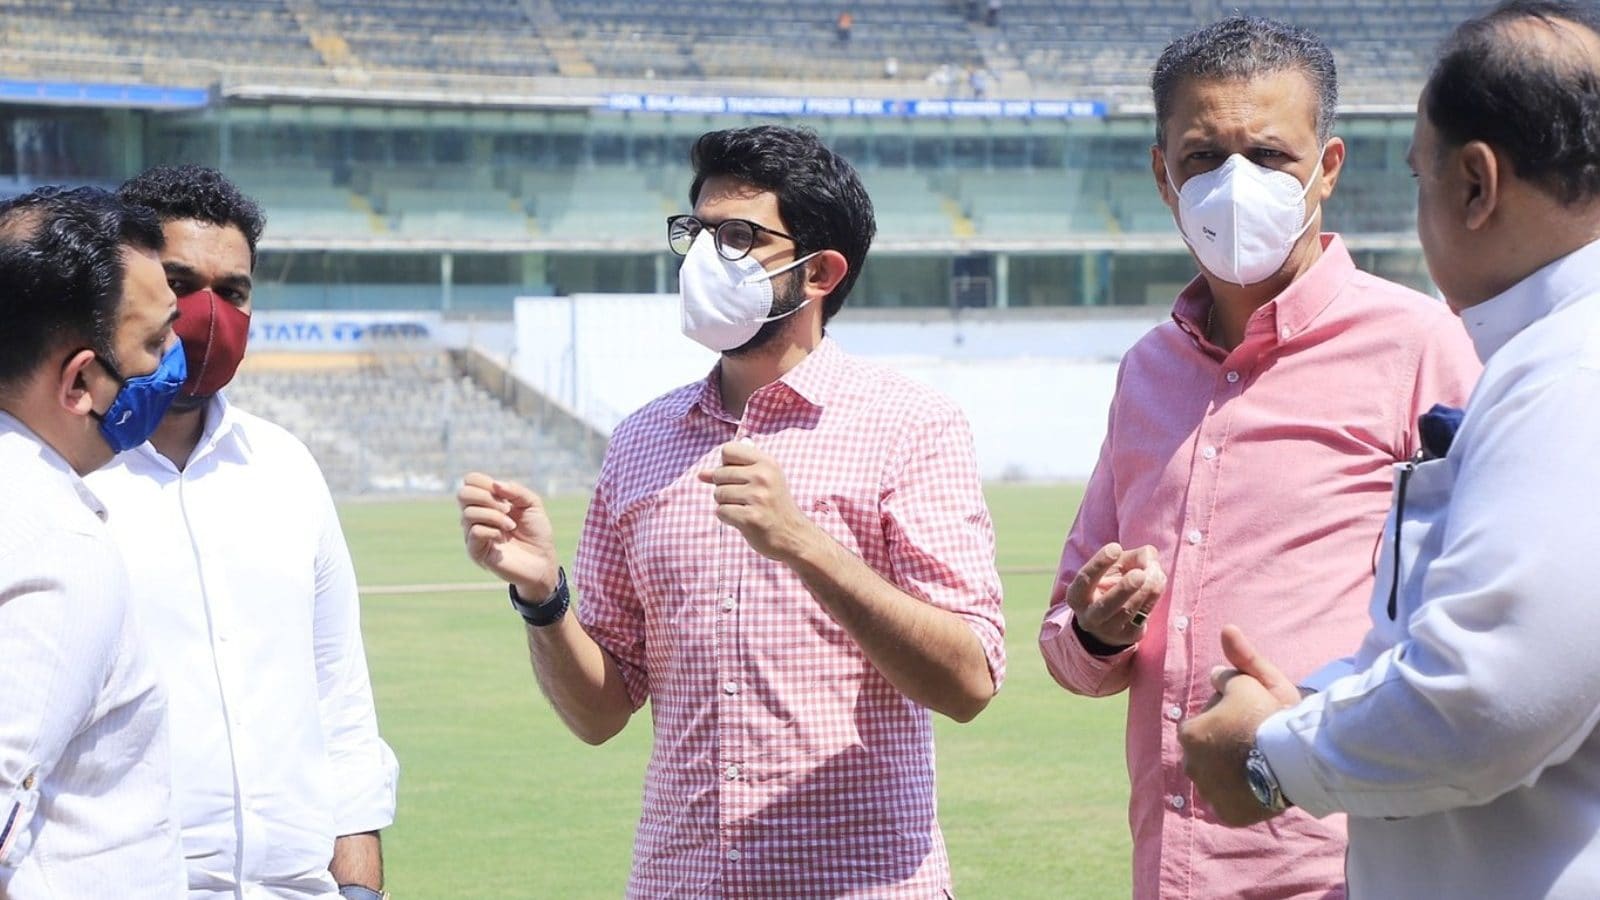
1462 742
242 574
85 794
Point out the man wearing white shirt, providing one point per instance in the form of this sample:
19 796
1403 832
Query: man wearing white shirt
87 365
241 570
1461 739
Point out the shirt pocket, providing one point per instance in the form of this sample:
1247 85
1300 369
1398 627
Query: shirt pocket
1412 532
839 520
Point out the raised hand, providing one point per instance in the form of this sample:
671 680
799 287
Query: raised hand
753 496
508 533
1113 594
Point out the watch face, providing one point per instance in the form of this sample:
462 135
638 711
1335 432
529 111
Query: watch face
1262 784
1258 787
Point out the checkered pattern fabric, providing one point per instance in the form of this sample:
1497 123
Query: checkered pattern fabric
784 764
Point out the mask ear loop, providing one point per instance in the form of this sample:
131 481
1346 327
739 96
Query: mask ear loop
775 273
1306 192
1178 193
768 276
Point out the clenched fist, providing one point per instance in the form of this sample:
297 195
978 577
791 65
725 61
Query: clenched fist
753 497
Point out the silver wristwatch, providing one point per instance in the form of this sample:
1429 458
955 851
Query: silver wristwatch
1263 783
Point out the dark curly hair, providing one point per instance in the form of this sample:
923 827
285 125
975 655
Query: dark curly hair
61 272
1541 109
820 197
196 192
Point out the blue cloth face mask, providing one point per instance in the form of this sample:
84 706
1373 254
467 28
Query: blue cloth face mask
142 401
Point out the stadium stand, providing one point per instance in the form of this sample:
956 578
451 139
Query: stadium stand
1039 48
506 196
407 423
418 155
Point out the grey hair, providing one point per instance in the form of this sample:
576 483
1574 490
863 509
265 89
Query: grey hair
1244 47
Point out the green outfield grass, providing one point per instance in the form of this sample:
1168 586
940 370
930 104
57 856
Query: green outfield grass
497 800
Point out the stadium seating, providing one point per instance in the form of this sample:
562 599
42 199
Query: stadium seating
408 423
1100 49
1096 48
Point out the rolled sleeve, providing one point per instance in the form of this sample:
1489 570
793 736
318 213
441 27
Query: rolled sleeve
608 606
941 541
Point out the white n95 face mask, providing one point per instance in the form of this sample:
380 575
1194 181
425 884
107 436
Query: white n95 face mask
1241 219
725 302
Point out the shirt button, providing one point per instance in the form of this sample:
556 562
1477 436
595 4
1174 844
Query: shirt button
1177 801
733 855
1284 333
1195 537
1175 713
1181 623
731 687
728 603
1233 377
731 773
1209 452
28 782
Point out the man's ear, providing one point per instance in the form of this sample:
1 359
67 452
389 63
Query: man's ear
72 385
1158 170
824 272
1333 156
1478 169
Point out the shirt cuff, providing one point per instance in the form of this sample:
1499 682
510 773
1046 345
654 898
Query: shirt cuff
367 800
1290 756
1071 663
993 642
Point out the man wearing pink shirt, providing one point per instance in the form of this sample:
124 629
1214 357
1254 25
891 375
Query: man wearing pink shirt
790 559
1245 472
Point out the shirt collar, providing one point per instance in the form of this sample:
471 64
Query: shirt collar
1494 322
1289 313
816 380
222 424
10 424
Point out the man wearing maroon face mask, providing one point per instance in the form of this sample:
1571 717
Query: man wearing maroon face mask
241 574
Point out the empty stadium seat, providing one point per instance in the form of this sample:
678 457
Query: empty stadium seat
410 423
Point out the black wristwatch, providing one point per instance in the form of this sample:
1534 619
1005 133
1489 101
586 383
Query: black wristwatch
551 610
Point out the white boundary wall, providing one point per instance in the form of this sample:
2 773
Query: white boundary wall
1035 389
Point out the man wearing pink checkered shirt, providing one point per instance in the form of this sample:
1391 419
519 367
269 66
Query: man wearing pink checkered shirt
791 559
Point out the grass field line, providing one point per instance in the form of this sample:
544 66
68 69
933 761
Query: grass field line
460 587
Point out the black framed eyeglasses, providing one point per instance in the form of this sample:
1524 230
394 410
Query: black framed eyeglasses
734 238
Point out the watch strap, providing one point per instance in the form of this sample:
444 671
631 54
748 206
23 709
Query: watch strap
550 610
361 892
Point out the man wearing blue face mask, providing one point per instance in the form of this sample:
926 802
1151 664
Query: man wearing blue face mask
1245 471
88 364
241 570
790 559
